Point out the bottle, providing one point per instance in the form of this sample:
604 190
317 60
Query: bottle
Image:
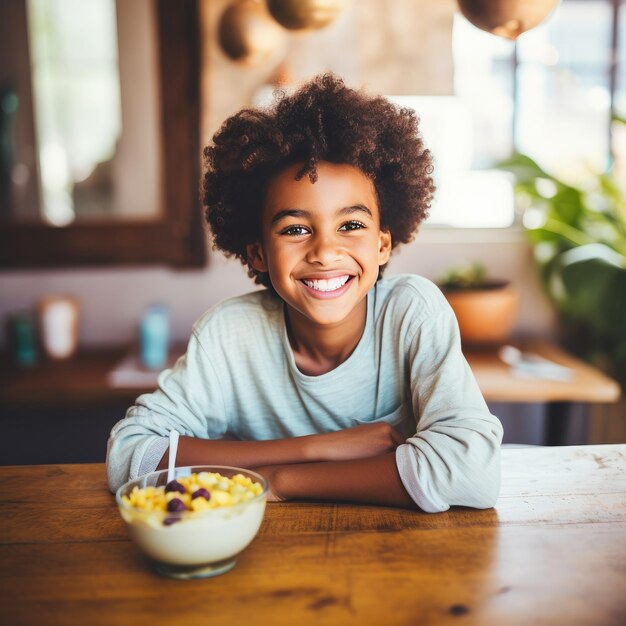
59 318
22 339
154 337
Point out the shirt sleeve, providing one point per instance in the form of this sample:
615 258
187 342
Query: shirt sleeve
454 457
188 399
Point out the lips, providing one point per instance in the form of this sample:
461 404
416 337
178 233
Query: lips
321 286
327 284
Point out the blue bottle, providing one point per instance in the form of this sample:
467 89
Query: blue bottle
22 339
154 334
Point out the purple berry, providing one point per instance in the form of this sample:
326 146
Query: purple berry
201 493
174 485
171 519
175 505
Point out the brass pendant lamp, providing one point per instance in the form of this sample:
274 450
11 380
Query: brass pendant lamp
305 14
248 34
506 18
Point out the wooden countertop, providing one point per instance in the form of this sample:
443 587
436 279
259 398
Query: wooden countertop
550 552
498 384
79 381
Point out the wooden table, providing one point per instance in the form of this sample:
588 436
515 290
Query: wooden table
587 385
553 551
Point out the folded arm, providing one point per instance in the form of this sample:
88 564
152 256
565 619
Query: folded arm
357 464
373 480
368 440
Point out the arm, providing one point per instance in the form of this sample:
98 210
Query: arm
364 441
374 481
454 457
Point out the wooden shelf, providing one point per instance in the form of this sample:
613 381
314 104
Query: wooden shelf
498 384
81 381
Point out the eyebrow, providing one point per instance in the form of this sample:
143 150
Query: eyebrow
302 213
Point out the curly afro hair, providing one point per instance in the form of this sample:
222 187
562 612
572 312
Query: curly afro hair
323 121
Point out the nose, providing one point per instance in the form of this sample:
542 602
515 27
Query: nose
325 249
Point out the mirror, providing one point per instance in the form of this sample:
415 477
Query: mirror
99 133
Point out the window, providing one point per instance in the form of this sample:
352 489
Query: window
550 95
465 197
564 95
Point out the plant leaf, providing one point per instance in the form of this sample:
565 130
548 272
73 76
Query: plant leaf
589 284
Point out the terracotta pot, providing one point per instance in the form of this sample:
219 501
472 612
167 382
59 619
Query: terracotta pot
485 315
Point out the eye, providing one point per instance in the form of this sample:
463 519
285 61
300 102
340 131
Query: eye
294 231
352 225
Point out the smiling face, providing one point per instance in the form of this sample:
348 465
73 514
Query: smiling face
321 243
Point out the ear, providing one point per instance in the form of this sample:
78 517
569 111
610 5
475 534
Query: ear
256 257
384 247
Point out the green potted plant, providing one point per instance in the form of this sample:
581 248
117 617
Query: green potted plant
485 308
579 239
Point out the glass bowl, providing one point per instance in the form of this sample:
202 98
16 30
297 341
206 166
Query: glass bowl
193 544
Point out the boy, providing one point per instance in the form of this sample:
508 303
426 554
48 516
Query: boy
332 383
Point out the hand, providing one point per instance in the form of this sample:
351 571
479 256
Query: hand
358 442
270 473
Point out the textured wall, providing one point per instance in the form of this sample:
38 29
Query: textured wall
389 47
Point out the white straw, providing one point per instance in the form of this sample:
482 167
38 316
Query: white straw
171 463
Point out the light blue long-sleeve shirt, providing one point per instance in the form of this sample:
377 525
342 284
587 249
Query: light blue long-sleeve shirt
239 379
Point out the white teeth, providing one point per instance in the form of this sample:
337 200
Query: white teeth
327 285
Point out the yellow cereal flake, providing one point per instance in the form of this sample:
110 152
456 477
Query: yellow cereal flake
200 504
221 498
223 492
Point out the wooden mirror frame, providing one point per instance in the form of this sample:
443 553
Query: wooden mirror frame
178 237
